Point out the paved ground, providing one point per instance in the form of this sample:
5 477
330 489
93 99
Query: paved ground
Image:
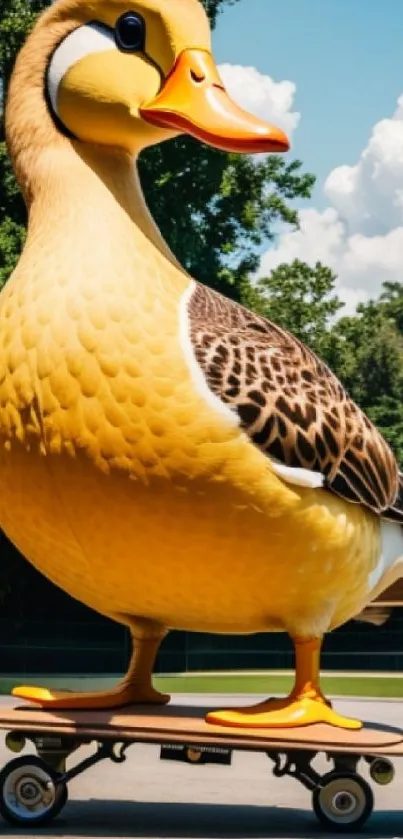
147 797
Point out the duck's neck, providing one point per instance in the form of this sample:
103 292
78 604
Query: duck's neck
89 198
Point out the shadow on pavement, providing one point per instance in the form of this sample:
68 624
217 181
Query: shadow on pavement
95 818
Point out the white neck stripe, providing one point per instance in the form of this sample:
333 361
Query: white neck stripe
90 38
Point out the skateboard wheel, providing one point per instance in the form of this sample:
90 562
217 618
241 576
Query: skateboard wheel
382 771
342 800
15 741
30 792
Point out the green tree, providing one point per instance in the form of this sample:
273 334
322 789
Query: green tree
301 298
16 19
366 352
227 204
215 7
213 208
391 301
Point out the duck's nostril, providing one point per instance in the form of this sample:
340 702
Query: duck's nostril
197 77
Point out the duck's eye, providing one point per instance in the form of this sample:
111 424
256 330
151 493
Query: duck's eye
130 32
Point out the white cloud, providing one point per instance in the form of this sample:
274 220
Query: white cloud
259 94
320 234
360 235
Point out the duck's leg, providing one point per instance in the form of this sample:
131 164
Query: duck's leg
305 705
135 688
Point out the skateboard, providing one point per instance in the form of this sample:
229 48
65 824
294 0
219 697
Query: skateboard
33 788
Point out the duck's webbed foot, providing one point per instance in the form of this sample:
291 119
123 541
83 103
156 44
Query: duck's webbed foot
136 688
305 705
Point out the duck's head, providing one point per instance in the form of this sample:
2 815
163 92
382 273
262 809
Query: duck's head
128 74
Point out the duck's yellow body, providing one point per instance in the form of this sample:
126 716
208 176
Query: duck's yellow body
123 477
117 479
99 538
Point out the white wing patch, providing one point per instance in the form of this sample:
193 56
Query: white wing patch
298 476
92 37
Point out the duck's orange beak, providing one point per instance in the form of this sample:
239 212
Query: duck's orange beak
193 100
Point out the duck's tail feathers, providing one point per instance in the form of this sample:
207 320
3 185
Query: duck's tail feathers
395 512
377 615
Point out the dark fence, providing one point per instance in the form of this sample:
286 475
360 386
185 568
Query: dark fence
42 630
100 646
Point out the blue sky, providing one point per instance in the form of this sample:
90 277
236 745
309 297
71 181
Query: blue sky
345 57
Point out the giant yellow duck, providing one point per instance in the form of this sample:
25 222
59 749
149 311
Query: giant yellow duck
167 457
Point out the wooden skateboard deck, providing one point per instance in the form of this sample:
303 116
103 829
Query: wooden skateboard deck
186 724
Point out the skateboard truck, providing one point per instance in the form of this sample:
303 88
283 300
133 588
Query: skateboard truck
297 765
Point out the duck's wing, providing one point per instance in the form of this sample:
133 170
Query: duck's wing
291 405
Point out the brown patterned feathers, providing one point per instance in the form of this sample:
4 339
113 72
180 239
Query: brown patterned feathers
291 405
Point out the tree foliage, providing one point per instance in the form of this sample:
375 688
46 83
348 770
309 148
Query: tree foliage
367 353
301 299
215 7
228 207
391 303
